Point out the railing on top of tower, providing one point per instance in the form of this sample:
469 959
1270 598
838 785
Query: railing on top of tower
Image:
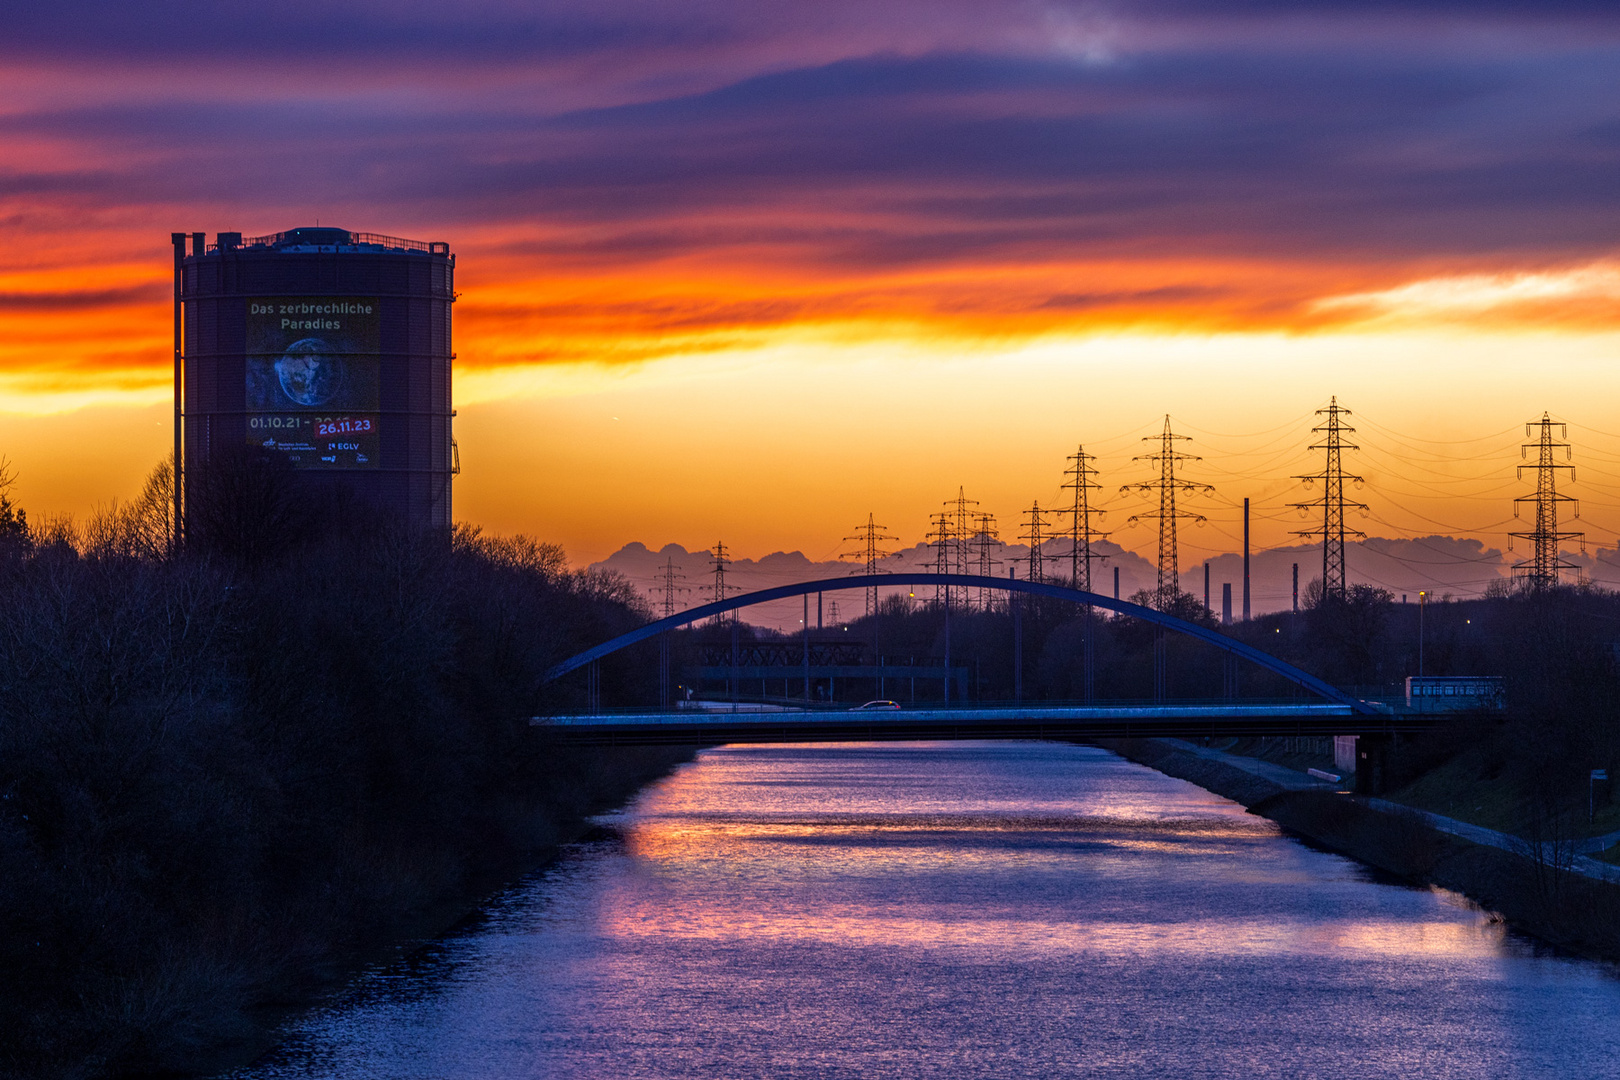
356 239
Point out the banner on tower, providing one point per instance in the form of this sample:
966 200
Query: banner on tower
314 379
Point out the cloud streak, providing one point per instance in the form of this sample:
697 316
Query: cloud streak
633 168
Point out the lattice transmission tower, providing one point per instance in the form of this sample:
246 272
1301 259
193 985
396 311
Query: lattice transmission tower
1541 569
1333 504
942 538
986 541
1035 535
721 589
1167 457
961 540
869 536
668 580
1080 511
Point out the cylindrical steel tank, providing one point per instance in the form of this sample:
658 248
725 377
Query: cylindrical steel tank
329 347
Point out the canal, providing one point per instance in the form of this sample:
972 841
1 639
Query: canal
958 910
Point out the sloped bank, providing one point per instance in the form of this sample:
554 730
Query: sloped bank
606 778
1533 895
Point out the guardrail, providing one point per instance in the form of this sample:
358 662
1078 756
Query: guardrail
435 247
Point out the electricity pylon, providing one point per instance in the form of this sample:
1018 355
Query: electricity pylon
941 538
667 577
1035 536
869 536
1080 515
1167 485
985 541
1541 569
721 561
1080 553
961 536
1333 503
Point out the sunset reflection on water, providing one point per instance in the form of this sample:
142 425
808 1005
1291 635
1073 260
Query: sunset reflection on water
778 838
958 910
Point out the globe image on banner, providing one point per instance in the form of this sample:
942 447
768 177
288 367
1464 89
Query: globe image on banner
309 372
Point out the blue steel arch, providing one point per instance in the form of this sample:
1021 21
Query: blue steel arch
1034 588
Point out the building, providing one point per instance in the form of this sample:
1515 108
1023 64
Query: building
1454 693
328 347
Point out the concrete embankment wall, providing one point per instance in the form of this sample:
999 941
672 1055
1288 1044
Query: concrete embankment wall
1536 896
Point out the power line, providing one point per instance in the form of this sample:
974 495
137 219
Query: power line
1284 426
1437 521
1370 422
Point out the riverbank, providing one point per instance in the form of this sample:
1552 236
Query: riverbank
227 776
615 777
841 912
1536 889
207 1019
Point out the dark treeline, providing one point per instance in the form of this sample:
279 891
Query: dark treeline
226 771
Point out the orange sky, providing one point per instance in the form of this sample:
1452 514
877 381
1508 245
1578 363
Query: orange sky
750 276
783 432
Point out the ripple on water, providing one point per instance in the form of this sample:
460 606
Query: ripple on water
958 910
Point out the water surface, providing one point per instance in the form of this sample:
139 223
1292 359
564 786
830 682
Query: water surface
959 910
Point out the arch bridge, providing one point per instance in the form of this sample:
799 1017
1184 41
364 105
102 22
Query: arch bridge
1334 713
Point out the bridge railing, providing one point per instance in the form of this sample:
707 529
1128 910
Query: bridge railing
698 709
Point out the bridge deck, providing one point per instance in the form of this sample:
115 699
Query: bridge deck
1006 722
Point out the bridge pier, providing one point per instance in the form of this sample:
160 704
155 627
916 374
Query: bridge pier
1372 763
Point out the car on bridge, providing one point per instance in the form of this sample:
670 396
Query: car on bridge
875 706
